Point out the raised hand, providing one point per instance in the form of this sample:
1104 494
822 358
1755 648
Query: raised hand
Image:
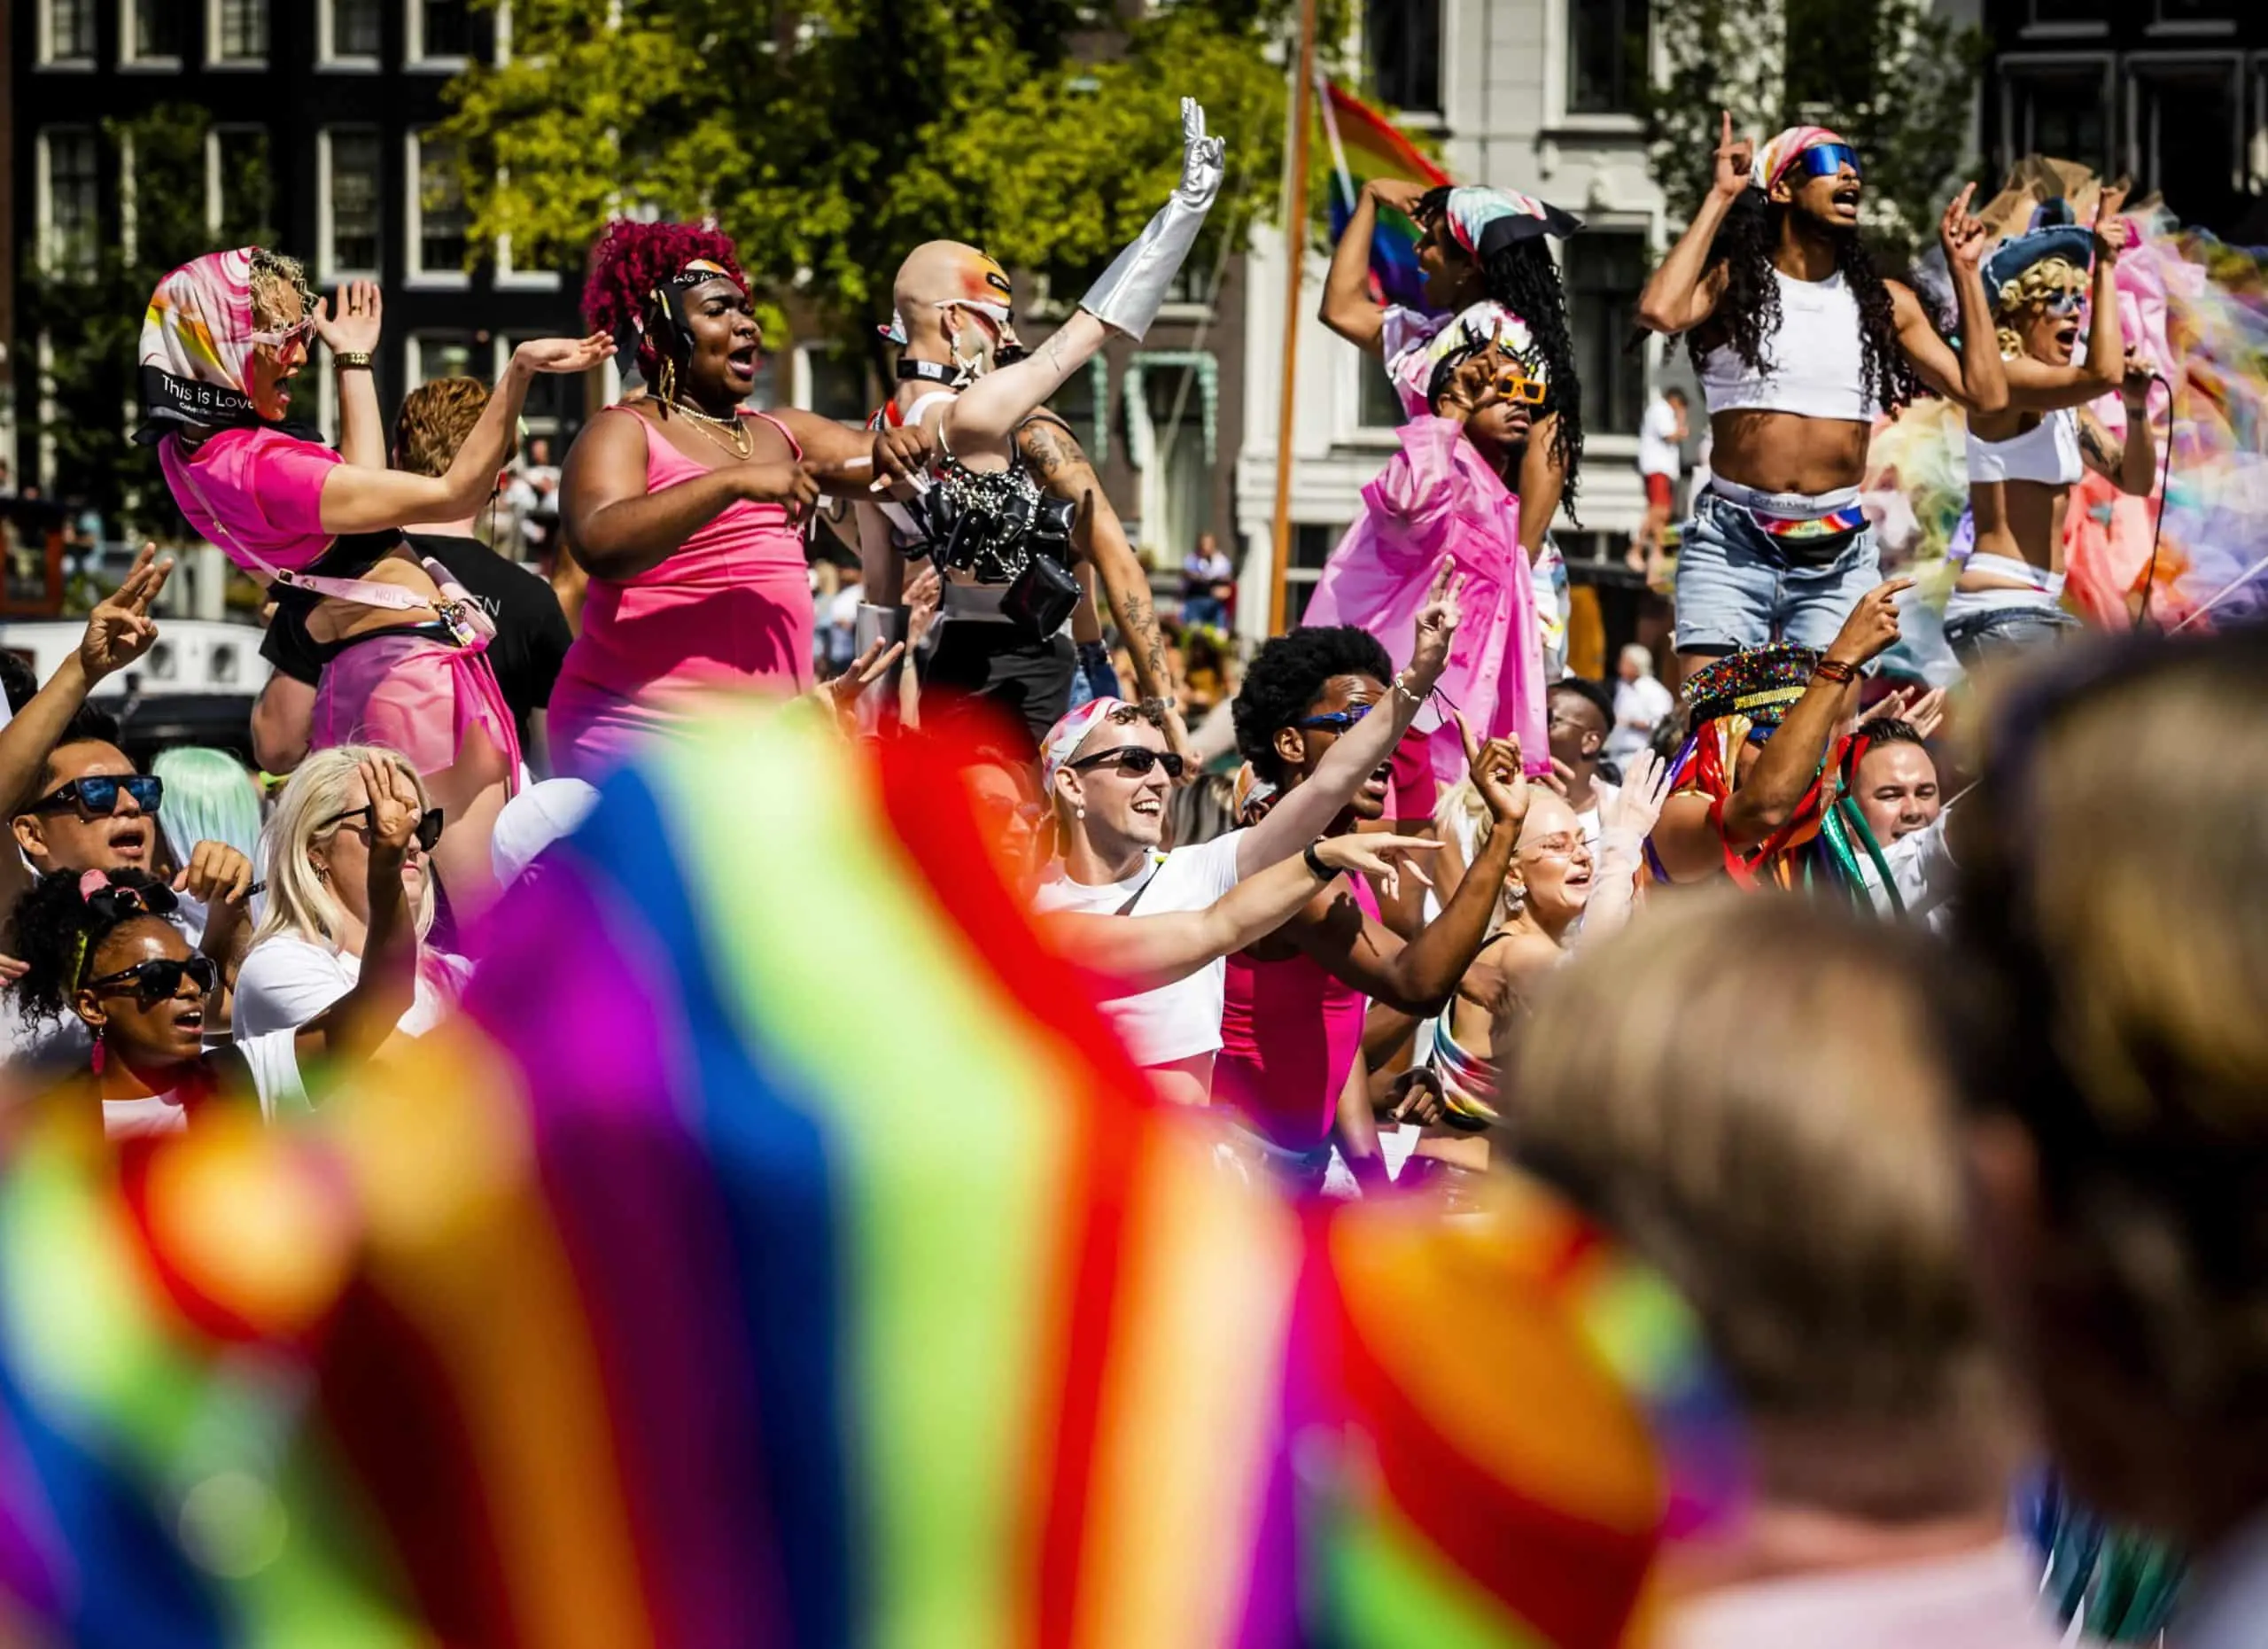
119 629
1437 622
1375 854
922 595
395 808
349 324
1498 774
1734 157
1638 803
1396 193
564 354
2111 234
1872 628
216 873
1965 238
864 670
1204 161
1472 386
1924 711
2134 384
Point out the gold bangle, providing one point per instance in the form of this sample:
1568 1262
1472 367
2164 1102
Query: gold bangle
350 360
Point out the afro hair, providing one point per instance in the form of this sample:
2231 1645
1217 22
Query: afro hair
1286 677
631 259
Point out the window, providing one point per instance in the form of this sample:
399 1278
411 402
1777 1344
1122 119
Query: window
2091 14
349 164
1312 542
239 34
70 200
151 34
831 381
67 32
1403 39
1605 269
2209 12
437 211
2059 109
1606 55
1377 403
439 32
348 33
2188 139
554 396
239 188
448 354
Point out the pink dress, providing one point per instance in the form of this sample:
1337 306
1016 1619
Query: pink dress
1437 498
257 493
1290 1033
732 605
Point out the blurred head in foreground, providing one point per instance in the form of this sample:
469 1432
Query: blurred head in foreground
2118 1081
1747 1092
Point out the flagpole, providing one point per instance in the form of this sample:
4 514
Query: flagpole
1295 251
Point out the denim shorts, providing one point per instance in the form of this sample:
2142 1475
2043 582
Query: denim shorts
1737 588
1976 638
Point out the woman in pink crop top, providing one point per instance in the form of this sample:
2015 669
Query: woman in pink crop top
686 508
223 339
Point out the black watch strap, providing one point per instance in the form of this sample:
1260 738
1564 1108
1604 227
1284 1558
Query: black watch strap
1322 872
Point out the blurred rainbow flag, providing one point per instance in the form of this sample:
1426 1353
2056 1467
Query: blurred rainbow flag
780 1251
1365 145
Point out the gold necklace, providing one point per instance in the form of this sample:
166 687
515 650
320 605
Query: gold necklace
742 444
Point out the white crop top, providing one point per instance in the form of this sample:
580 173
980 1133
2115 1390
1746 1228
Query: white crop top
2048 452
1814 359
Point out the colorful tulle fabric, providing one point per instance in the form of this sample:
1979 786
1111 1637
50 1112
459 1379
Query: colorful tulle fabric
781 1252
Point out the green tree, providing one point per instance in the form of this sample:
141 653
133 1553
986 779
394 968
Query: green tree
85 303
1898 81
830 137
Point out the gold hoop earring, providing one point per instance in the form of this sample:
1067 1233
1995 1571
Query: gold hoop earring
668 379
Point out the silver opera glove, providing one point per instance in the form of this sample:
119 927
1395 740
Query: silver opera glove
1128 296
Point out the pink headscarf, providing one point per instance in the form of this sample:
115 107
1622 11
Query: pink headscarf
1774 158
196 336
1064 738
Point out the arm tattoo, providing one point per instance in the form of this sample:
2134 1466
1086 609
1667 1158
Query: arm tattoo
2094 441
1046 452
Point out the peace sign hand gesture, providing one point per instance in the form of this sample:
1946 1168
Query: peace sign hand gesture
1964 237
1499 774
1734 157
119 629
1437 622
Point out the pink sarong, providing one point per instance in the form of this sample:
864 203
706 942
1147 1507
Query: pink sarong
1437 498
413 692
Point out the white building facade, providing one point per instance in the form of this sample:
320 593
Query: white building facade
1529 95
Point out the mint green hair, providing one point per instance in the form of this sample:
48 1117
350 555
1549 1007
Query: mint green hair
209 797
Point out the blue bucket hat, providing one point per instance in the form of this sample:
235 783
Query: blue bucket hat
2052 235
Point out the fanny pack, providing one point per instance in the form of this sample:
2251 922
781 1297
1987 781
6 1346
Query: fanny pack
1797 525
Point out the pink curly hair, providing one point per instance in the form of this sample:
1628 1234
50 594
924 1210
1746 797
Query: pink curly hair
632 259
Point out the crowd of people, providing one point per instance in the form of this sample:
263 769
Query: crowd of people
1838 1001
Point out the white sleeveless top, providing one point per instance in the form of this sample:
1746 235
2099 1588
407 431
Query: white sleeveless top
2048 453
1814 360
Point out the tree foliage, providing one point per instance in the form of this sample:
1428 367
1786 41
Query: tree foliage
84 304
830 137
1895 80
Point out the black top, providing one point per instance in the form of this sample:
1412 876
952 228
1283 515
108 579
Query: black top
531 634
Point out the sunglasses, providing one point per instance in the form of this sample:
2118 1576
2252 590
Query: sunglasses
300 328
429 824
1133 760
154 981
1514 384
96 795
1335 720
2068 301
1826 160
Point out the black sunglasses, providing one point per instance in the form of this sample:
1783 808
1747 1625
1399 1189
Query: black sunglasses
153 982
1133 760
428 824
96 795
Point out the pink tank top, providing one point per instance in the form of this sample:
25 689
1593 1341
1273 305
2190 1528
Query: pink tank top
253 489
732 605
1290 1033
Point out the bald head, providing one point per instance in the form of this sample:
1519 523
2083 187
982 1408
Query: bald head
942 273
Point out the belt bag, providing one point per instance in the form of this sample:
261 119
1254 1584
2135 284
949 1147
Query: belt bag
1803 540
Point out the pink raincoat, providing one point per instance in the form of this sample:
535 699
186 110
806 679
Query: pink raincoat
1435 498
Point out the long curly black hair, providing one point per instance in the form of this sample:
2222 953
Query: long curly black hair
1287 675
1749 313
59 931
1524 279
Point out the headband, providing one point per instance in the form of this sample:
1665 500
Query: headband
1065 737
1774 158
117 904
1484 222
1478 328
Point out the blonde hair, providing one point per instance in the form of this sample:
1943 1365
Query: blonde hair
2038 283
1746 1088
434 419
274 274
300 902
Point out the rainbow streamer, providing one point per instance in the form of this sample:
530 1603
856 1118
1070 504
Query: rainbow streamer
780 1251
1365 145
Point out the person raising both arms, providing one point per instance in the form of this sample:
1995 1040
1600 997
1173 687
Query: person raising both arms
1800 345
2024 461
1002 503
223 337
684 507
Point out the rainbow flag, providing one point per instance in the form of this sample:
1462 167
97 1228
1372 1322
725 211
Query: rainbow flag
778 1250
1364 144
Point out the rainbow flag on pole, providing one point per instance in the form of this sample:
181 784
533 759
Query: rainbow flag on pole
1364 145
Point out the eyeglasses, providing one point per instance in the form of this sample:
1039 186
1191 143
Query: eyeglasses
96 795
1335 720
1560 846
153 982
299 329
1133 760
1514 384
429 824
1826 160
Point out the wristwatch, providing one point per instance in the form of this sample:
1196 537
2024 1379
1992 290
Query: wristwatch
1322 872
350 360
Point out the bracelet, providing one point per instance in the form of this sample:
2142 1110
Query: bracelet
1836 670
1160 707
350 360
1322 872
1402 688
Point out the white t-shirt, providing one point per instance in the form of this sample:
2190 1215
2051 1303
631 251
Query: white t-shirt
286 981
1639 706
1181 1020
1658 453
274 1062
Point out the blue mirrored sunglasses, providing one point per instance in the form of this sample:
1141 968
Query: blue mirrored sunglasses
1826 160
1335 720
2068 302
